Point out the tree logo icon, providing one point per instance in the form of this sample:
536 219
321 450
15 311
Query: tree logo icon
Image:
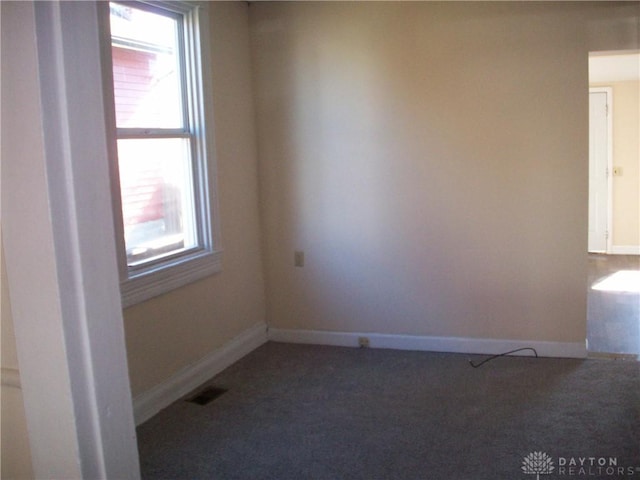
537 463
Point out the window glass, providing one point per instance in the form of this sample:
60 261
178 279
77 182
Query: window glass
146 69
157 197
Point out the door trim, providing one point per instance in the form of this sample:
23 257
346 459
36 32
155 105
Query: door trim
608 91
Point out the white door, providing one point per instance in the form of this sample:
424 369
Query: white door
598 170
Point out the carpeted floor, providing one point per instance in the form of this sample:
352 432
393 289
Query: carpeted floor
313 412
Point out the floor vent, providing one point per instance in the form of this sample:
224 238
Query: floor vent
207 395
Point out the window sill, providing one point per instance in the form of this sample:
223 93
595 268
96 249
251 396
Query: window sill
152 284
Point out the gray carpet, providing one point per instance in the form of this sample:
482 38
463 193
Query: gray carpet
312 412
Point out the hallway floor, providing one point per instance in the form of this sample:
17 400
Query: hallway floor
613 304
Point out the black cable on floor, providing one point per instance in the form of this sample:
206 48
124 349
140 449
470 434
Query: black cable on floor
474 365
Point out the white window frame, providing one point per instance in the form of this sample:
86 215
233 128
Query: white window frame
156 277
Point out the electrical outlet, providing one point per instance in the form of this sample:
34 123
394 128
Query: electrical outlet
363 342
298 258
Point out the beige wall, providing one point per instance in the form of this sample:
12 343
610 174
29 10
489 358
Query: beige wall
626 154
431 160
15 455
170 332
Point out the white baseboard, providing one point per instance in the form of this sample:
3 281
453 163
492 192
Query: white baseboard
625 249
161 396
433 344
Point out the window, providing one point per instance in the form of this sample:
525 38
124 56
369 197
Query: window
163 162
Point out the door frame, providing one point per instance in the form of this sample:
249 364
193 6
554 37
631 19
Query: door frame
609 194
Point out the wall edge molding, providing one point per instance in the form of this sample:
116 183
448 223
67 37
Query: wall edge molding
486 346
147 404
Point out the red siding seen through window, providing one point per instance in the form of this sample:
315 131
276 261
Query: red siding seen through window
132 80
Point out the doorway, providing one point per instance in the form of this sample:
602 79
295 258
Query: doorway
613 309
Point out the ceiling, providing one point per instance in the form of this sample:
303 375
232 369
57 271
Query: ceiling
614 67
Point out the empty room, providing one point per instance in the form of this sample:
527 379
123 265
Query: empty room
329 240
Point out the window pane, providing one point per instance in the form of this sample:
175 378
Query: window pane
146 69
157 198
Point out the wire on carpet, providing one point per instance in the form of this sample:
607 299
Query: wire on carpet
476 365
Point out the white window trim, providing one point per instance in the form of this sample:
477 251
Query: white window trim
138 285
